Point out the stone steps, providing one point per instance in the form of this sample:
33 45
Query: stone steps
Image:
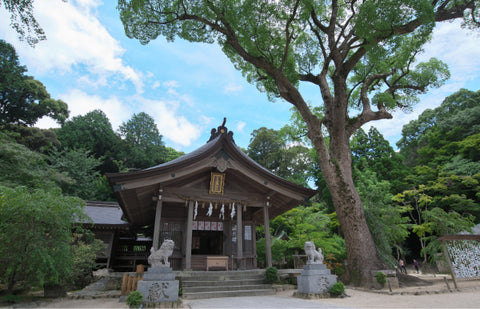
214 284
236 293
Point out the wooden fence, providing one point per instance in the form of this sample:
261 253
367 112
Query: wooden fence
130 281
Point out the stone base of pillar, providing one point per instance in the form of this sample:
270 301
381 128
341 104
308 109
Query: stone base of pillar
315 281
159 287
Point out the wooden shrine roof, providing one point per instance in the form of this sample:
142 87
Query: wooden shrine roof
187 178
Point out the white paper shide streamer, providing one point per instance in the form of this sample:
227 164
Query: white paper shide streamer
222 212
232 214
210 210
195 211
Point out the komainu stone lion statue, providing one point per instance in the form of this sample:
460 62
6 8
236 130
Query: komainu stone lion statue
313 256
159 258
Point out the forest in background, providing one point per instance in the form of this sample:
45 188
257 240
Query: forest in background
429 188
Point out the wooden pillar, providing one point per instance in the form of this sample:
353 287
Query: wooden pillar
239 237
109 249
449 261
188 245
156 227
254 243
268 242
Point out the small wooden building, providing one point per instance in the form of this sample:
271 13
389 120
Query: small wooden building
208 202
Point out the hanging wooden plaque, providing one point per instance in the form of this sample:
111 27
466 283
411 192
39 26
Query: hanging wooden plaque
217 183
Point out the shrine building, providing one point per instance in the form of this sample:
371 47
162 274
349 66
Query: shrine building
208 202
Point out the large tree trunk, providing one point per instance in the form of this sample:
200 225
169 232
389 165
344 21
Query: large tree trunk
336 165
362 254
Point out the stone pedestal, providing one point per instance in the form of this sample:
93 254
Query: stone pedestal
158 286
315 279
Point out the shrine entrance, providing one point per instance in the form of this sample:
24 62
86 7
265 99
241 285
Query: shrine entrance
207 242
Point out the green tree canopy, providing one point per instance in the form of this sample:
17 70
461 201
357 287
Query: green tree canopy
23 99
82 178
142 143
455 119
360 55
21 166
271 149
373 152
92 132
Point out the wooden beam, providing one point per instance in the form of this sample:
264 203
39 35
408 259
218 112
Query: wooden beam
156 227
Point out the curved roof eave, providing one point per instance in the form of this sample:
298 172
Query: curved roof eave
221 141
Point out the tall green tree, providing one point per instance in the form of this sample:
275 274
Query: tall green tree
372 152
360 55
23 99
272 149
265 148
142 143
92 132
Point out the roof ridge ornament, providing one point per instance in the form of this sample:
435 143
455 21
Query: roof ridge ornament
220 130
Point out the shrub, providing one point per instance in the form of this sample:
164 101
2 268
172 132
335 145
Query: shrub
11 298
381 277
337 289
134 299
271 275
84 248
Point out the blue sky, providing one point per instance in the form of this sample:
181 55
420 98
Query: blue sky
188 88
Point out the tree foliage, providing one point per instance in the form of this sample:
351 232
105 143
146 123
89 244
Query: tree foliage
81 177
142 143
35 231
429 221
371 152
271 149
22 167
23 99
23 20
307 223
92 132
454 120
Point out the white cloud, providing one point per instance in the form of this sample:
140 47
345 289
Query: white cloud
75 38
81 103
231 87
240 126
171 84
172 126
156 84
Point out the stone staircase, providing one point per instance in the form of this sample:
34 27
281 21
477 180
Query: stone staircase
214 284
